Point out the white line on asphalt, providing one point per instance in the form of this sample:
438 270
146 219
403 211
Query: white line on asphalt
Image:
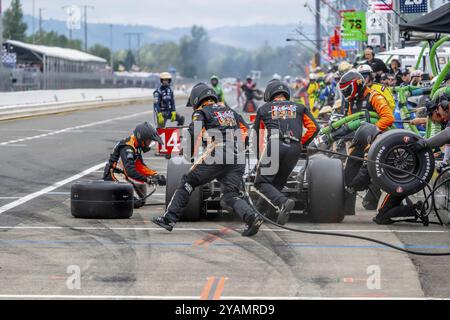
58 193
72 128
207 229
26 130
119 297
14 145
57 185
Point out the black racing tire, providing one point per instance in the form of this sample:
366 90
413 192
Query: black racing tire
392 148
325 190
101 200
177 167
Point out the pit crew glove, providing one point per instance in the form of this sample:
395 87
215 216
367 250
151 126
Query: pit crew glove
174 116
418 145
160 119
161 180
158 179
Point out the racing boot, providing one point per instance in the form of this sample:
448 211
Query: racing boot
382 221
254 221
164 223
285 209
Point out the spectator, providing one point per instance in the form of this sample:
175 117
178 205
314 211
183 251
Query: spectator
416 77
406 78
394 67
391 80
377 65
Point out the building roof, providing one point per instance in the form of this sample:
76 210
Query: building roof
57 52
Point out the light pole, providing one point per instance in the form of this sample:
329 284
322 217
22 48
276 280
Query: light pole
86 26
40 21
34 16
111 47
318 35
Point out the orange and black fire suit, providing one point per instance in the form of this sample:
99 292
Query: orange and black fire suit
225 122
371 100
126 164
284 122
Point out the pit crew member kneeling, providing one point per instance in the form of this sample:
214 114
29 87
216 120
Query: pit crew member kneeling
363 99
213 117
400 206
127 165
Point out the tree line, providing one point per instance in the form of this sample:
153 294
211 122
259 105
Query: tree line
194 55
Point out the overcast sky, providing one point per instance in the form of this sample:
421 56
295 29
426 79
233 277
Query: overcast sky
179 13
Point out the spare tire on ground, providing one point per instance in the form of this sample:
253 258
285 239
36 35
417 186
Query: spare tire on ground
101 200
177 167
326 189
392 148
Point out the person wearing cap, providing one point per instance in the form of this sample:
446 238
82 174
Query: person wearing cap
217 88
406 78
368 74
313 91
126 163
164 102
284 122
416 77
211 117
438 111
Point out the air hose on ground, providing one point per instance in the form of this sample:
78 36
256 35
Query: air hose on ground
336 234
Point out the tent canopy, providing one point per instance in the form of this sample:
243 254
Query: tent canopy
437 21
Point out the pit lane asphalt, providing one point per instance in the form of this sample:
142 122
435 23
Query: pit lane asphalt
40 240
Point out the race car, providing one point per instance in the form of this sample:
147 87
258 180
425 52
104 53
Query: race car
321 199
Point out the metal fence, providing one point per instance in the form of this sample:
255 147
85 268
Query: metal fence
33 79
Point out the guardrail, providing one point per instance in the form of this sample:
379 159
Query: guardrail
26 110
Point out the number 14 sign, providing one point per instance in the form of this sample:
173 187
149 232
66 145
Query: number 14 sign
172 140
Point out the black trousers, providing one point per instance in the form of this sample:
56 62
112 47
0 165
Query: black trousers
271 185
393 207
230 178
352 169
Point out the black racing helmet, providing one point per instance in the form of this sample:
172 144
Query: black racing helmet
365 135
145 134
200 92
276 87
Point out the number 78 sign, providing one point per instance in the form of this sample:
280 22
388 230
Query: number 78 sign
354 26
172 140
